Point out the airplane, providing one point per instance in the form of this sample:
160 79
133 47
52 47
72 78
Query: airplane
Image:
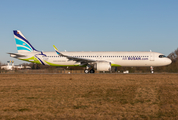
100 61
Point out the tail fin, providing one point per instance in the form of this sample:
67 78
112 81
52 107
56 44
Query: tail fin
22 43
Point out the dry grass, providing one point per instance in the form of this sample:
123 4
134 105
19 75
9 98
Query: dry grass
91 96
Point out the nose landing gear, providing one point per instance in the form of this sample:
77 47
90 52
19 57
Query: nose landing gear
151 68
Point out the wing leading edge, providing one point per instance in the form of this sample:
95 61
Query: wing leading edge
77 59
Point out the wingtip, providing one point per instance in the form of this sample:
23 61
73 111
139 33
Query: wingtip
54 47
57 51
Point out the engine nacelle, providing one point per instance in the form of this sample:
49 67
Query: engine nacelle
102 66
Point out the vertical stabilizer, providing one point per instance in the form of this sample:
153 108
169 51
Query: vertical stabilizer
23 45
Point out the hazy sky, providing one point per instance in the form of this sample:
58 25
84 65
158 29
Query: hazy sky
90 25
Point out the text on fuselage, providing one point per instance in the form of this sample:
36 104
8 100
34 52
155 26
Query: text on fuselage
134 58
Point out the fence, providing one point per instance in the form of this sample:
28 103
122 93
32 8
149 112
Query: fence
45 71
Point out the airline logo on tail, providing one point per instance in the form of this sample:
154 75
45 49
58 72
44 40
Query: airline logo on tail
22 43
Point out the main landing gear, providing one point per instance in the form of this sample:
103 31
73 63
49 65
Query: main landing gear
89 71
92 71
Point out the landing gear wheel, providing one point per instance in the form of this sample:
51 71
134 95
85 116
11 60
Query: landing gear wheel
152 71
92 71
86 71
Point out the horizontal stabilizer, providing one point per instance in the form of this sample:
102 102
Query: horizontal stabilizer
16 55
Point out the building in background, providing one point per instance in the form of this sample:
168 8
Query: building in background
10 66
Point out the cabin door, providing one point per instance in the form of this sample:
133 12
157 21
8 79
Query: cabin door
152 58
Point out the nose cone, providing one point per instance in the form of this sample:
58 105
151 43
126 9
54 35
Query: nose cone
168 61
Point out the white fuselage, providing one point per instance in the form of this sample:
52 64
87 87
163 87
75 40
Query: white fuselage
100 61
139 59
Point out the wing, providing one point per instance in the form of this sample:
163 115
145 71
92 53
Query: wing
77 59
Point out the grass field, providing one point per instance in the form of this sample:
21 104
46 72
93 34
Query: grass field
89 96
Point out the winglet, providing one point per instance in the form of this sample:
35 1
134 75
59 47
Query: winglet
57 51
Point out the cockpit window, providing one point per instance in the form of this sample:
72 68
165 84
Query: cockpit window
162 56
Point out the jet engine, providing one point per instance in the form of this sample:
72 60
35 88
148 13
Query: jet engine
102 66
